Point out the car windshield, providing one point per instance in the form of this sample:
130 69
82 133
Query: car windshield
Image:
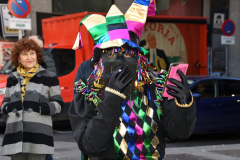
7 68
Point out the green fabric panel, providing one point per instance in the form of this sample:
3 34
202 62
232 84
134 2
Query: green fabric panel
115 19
84 19
142 114
138 102
144 51
146 128
98 31
149 155
147 143
159 114
116 145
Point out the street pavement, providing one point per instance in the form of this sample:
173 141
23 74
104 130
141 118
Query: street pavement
218 152
67 149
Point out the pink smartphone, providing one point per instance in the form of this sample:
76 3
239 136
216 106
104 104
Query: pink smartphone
172 73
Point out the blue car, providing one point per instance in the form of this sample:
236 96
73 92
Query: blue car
218 103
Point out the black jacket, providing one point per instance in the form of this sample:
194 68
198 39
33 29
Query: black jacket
84 71
93 131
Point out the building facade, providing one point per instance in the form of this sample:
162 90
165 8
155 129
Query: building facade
223 59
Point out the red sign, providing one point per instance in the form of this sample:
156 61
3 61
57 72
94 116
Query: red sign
19 8
228 27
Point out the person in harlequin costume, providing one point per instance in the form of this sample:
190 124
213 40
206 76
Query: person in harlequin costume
123 115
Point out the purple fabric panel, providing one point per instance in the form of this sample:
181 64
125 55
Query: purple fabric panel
136 27
97 46
139 144
80 41
133 117
119 33
151 9
138 130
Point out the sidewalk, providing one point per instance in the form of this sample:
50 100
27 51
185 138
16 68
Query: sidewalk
218 152
70 151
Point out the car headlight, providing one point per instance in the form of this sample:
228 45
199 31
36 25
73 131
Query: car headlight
2 91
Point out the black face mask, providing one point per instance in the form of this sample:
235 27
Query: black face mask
111 61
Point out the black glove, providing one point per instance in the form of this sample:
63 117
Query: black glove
45 109
119 81
181 92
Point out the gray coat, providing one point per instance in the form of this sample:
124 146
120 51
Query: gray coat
29 123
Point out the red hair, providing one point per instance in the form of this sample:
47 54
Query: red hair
25 45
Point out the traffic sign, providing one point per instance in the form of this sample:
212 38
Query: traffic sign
20 23
228 27
19 8
5 16
228 40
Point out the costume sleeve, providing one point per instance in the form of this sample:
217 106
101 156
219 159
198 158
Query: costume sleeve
93 132
178 122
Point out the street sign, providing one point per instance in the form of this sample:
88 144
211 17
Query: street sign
19 8
20 23
228 27
218 20
5 16
229 40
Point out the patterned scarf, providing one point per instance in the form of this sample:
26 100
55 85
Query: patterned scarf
27 75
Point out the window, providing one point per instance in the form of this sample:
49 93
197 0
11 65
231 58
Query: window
231 87
207 89
64 61
191 81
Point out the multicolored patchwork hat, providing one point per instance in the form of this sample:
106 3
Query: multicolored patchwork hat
117 29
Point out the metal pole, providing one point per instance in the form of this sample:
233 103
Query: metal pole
19 34
226 60
211 57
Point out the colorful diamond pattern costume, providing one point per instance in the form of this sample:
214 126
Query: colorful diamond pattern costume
140 132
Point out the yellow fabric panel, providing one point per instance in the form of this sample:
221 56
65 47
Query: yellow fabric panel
94 20
113 43
114 11
137 13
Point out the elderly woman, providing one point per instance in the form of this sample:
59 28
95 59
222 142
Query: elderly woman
32 96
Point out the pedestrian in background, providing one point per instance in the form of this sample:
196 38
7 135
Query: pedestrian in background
47 55
32 96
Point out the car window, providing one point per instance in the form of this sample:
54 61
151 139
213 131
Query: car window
64 61
190 81
207 89
231 88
